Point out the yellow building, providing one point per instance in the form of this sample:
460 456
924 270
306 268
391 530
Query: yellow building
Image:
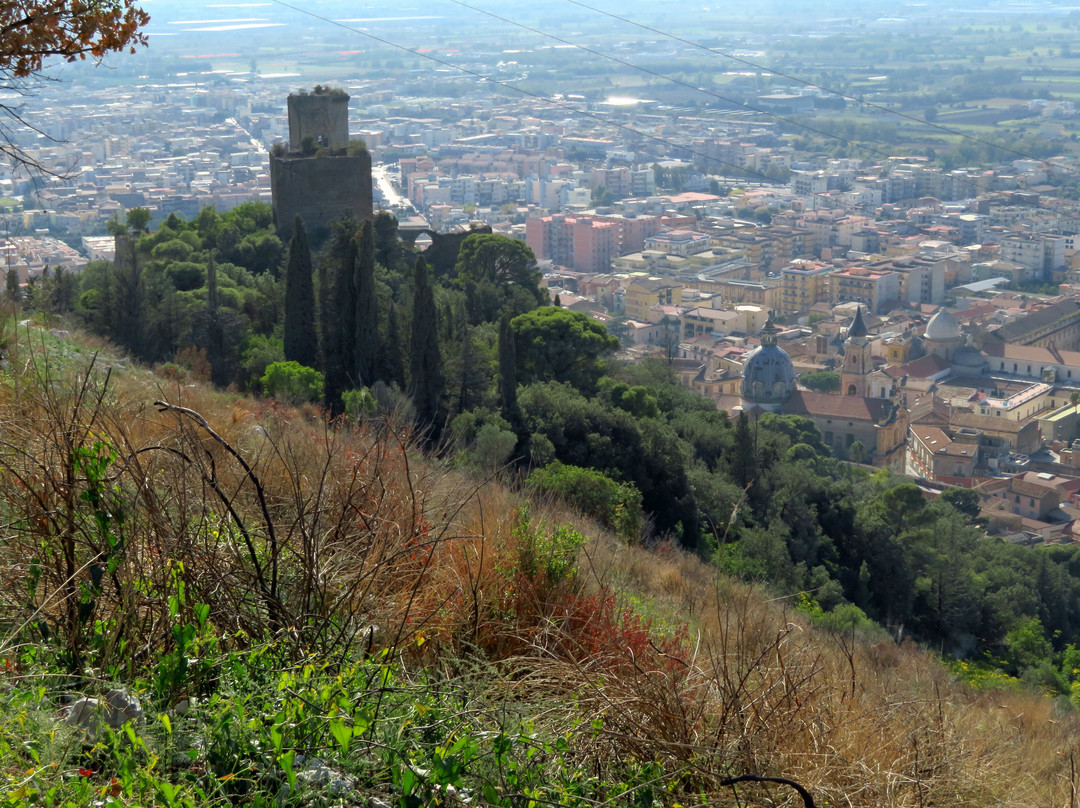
802 284
642 296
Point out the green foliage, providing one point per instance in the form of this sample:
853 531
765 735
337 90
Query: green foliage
561 345
497 272
965 500
366 337
358 403
426 379
261 352
300 343
616 505
543 554
822 381
292 383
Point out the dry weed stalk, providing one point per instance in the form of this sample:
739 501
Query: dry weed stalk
320 534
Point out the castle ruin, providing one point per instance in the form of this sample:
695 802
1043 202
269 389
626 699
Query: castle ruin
321 176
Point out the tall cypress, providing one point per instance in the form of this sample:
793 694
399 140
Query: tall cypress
426 380
337 276
508 403
345 299
128 317
392 367
301 344
366 335
12 285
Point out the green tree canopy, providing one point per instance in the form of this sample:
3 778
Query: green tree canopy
824 381
561 345
497 272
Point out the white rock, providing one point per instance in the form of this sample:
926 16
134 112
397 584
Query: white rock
117 709
121 707
84 714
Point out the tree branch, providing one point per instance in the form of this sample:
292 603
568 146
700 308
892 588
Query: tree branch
808 800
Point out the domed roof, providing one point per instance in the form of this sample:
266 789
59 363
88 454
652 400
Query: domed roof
942 326
768 376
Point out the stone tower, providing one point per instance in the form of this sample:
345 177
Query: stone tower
319 177
322 115
858 363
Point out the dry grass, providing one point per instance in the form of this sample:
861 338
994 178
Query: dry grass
341 539
859 723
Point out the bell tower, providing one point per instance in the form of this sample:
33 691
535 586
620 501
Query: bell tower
858 363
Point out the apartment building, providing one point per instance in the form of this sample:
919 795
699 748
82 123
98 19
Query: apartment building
874 289
802 284
1043 252
678 242
585 243
642 296
921 280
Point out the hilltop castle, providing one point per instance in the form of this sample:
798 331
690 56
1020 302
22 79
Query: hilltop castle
321 175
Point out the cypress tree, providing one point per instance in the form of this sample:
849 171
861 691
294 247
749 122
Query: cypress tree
129 301
301 344
468 369
366 335
387 245
12 285
744 465
508 403
426 379
326 315
337 276
345 300
392 366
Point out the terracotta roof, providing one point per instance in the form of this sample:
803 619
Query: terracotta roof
929 409
804 402
1036 320
989 423
922 368
1030 353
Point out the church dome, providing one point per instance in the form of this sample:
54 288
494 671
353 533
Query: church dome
942 326
768 376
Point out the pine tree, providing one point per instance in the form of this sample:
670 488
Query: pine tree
508 403
366 335
426 379
301 343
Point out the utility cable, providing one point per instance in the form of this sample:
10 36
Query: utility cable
811 84
535 96
674 80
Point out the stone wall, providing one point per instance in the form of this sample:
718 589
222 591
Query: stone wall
321 190
325 117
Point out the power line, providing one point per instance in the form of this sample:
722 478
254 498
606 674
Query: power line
673 80
832 202
823 88
535 96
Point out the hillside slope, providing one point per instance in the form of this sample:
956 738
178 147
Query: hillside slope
313 613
